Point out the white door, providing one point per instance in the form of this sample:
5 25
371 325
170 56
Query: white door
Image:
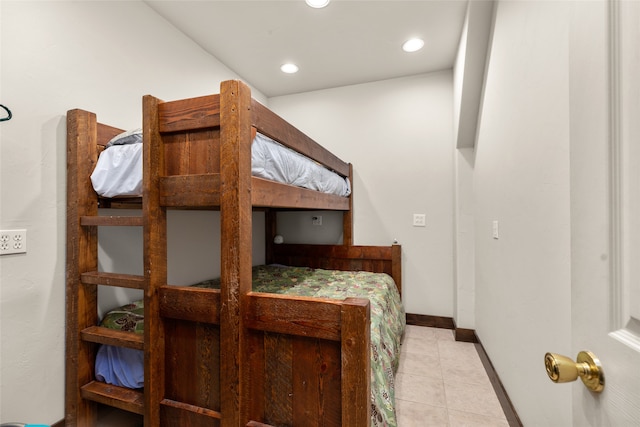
605 206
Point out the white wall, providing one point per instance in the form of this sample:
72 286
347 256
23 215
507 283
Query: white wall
464 244
399 135
102 57
523 291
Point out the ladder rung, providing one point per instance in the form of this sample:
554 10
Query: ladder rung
206 415
111 221
102 335
118 397
113 279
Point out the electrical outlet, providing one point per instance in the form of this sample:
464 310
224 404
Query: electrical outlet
316 220
13 242
419 220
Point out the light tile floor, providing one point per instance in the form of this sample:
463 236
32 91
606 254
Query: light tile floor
442 382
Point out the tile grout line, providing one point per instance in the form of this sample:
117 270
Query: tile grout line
438 337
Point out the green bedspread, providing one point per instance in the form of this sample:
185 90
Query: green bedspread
387 318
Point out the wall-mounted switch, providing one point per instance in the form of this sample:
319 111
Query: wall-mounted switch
419 220
495 229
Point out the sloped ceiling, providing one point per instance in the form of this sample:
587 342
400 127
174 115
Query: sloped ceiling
346 43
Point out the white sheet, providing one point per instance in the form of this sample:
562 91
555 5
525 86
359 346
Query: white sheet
118 172
276 162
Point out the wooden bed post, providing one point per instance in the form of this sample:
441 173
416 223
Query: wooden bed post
155 263
356 363
270 230
347 216
236 241
396 265
82 256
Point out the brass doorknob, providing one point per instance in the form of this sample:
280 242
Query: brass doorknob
562 369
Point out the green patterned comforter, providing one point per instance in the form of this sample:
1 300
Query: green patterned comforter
387 318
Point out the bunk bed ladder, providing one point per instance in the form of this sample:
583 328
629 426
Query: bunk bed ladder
83 279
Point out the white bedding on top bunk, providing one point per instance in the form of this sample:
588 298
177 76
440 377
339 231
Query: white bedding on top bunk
118 172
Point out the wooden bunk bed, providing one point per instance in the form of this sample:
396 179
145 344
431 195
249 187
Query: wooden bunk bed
227 357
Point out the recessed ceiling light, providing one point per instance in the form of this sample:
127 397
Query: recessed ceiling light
318 4
289 68
412 45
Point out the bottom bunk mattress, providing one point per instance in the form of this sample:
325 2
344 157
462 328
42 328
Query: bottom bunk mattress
125 367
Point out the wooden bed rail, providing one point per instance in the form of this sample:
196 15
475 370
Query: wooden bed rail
190 135
204 112
272 125
307 360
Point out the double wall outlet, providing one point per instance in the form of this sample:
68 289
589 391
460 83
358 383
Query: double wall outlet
419 220
13 242
316 220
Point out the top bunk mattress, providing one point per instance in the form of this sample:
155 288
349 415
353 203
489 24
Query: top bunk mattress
118 172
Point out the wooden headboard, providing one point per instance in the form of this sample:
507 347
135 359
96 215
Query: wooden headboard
377 259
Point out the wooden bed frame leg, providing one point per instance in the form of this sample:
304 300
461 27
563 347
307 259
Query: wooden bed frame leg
236 240
396 266
155 263
347 216
82 256
356 363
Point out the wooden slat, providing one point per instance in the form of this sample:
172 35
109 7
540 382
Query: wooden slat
304 316
277 195
258 394
272 125
120 202
180 360
190 303
114 337
193 363
176 150
111 395
114 221
189 114
190 190
175 413
377 259
106 133
356 362
113 279
317 383
338 251
204 191
276 392
195 152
